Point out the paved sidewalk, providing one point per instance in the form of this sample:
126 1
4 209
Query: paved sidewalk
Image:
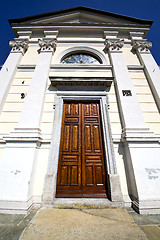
80 223
12 225
150 224
86 224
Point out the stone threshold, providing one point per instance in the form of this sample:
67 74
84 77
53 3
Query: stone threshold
90 203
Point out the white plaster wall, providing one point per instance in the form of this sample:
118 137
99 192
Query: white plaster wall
40 171
113 112
121 169
15 168
116 131
146 101
129 57
1 153
48 111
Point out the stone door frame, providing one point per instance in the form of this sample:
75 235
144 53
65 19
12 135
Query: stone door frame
114 190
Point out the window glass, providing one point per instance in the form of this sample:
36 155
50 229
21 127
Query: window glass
80 58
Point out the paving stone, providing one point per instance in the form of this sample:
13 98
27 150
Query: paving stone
144 219
12 225
152 232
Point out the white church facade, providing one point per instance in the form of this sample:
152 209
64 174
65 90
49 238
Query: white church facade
79 112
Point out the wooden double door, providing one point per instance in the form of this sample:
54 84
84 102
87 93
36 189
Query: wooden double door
81 170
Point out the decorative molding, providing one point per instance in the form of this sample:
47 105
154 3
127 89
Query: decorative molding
110 34
85 68
142 46
24 34
68 68
19 46
47 45
72 67
81 81
24 135
139 135
137 35
51 34
26 68
114 44
135 67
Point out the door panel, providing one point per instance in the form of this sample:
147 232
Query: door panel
81 171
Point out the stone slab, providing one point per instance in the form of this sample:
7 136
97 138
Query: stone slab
11 226
152 232
99 224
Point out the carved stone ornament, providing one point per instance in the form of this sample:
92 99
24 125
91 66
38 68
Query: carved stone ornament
47 45
142 46
19 46
114 44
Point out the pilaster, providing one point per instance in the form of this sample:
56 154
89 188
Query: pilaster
35 97
127 100
141 146
19 46
152 71
20 153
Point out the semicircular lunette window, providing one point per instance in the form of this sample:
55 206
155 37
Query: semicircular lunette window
80 58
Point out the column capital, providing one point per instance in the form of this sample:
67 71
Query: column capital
19 46
47 45
114 45
142 46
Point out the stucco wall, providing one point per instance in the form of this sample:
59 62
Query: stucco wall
113 112
10 114
130 58
40 170
146 101
48 111
31 55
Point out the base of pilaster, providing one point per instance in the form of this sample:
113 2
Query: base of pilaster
143 172
20 207
139 134
146 207
24 135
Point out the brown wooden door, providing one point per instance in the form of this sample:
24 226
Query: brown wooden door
81 171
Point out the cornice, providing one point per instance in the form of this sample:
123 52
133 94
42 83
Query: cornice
81 81
72 67
80 9
84 42
39 29
104 26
